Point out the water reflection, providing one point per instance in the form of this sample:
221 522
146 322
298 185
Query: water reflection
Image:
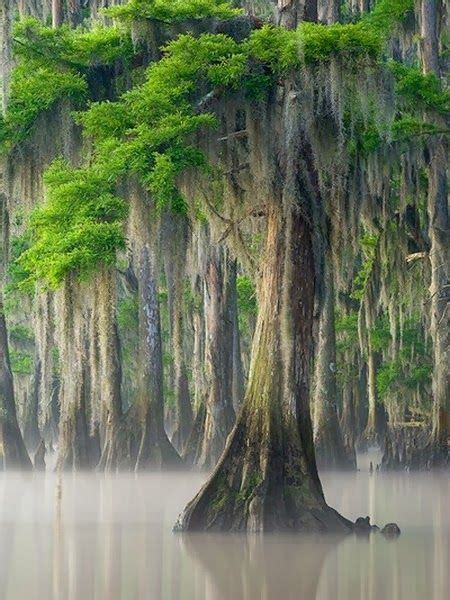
255 567
109 538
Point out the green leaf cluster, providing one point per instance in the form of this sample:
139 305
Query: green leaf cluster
79 227
21 362
418 90
369 243
53 64
175 11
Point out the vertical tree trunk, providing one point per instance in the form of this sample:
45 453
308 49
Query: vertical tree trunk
176 235
292 12
328 11
77 449
31 434
267 477
439 233
12 447
238 387
328 440
348 421
57 13
15 455
219 414
429 36
114 452
155 450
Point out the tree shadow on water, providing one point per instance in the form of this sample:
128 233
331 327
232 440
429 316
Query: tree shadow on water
263 567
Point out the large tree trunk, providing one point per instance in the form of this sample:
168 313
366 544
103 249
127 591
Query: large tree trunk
439 231
78 446
266 478
429 36
31 434
57 13
15 455
155 449
12 447
292 12
115 452
219 414
328 11
328 439
176 235
238 370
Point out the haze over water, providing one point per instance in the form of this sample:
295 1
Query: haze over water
111 538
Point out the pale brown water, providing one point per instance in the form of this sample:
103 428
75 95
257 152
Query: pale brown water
112 540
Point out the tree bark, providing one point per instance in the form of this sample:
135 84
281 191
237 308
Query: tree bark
429 36
15 455
291 12
57 13
266 478
238 387
328 439
328 11
77 448
219 414
155 450
31 434
115 452
439 232
175 250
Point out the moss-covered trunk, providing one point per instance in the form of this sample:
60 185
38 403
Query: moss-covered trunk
78 445
267 477
328 440
238 369
175 249
15 455
439 228
219 413
155 450
115 452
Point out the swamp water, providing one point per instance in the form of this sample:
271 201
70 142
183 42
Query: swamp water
110 538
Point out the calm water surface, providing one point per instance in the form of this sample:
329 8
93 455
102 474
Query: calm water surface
111 539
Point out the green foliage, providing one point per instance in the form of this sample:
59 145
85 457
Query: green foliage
65 46
127 313
17 275
174 11
346 328
388 13
412 367
380 335
246 295
419 90
369 243
20 333
281 49
352 41
79 227
150 131
53 64
36 88
21 362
